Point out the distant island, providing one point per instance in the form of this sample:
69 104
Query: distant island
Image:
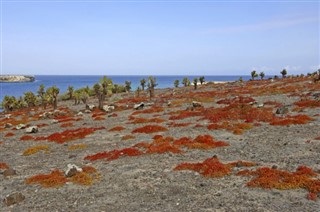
16 78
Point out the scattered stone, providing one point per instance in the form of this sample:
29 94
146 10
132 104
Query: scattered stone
149 104
54 121
274 167
108 108
7 116
79 114
9 172
20 126
87 111
90 107
13 198
282 110
169 104
72 170
138 106
32 129
8 125
196 104
260 105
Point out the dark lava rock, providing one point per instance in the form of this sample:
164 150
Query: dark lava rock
13 198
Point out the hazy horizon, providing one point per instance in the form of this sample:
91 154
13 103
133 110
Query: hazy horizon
159 38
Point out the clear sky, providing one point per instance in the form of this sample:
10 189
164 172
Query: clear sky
159 37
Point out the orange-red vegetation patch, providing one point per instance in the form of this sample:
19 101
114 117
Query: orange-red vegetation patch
241 163
289 120
308 103
240 99
317 138
132 100
173 124
312 196
99 113
55 179
114 154
69 135
66 125
160 145
35 149
26 138
273 103
87 177
77 146
150 129
150 110
62 119
42 125
10 134
236 128
117 128
211 167
127 137
200 142
268 178
144 120
99 118
114 115
3 165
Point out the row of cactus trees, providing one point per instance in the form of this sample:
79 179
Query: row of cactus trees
43 97
254 74
186 82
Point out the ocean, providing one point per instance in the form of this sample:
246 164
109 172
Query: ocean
62 82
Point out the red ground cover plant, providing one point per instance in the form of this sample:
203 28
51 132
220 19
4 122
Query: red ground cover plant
289 120
211 167
114 154
116 129
240 99
87 177
308 103
127 137
160 145
150 129
273 103
236 128
144 120
132 100
55 179
149 110
63 119
69 135
99 118
66 125
3 165
42 125
35 149
268 178
200 142
26 138
173 124
10 134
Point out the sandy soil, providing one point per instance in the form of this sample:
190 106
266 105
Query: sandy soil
149 182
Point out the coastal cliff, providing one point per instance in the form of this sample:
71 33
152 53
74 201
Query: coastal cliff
16 78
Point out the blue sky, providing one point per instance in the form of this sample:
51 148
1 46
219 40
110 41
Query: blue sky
159 38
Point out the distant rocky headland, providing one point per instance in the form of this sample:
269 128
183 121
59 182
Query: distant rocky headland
16 78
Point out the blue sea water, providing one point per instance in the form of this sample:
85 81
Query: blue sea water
62 82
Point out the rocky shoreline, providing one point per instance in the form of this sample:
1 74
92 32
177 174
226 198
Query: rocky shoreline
16 78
